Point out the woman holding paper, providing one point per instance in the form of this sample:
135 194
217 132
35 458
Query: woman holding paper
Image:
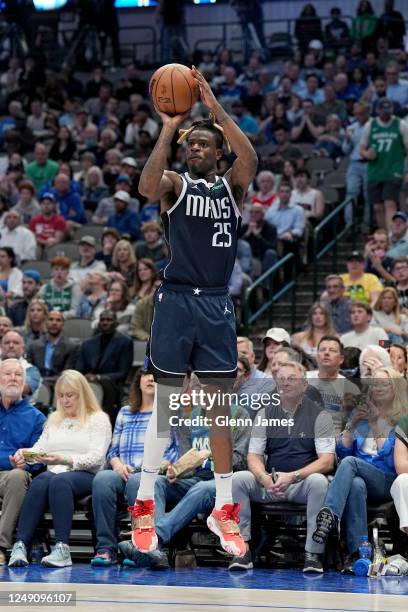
73 446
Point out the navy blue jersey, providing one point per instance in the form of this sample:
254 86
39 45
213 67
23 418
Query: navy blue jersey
201 229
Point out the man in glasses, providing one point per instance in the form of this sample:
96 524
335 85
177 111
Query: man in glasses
337 304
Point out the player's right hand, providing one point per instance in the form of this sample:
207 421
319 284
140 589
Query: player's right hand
172 122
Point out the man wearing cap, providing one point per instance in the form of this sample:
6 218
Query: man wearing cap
106 206
274 339
18 309
359 285
48 227
124 220
261 237
19 238
42 169
384 143
141 121
399 236
87 263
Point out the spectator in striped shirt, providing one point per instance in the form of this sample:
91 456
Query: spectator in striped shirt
124 457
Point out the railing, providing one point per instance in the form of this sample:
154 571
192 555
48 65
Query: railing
333 221
269 277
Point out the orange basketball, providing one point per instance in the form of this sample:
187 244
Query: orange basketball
173 89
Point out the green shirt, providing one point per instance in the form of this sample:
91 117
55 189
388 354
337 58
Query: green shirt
58 299
42 174
388 143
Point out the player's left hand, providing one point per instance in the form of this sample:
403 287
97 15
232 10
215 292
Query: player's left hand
206 93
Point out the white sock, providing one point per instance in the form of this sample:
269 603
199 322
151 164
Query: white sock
223 490
154 447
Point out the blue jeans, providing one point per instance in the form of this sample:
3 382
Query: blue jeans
354 482
107 487
58 492
356 180
192 496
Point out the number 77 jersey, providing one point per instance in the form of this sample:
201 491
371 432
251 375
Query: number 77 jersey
388 143
201 229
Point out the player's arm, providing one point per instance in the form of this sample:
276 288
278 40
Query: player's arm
244 167
155 181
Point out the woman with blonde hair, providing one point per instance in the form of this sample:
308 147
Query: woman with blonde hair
94 188
35 324
387 314
367 469
124 262
318 324
73 446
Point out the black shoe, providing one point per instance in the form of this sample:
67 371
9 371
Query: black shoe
349 562
313 563
241 563
326 521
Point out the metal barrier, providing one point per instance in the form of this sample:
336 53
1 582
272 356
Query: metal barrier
269 276
332 222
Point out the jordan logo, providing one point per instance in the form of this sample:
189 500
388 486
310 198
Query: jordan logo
226 311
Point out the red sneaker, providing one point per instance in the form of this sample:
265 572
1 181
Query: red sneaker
224 523
143 533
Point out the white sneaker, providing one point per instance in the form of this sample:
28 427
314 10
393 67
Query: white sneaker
60 556
18 557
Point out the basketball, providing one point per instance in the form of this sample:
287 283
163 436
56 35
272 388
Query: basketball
173 89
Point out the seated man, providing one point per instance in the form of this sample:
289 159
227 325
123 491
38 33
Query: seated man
337 304
22 425
359 285
363 333
49 227
194 492
153 245
107 358
87 261
17 311
19 238
12 347
261 236
295 466
308 198
52 354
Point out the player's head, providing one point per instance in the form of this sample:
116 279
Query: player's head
204 147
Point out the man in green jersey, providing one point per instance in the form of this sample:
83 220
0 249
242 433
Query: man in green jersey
384 143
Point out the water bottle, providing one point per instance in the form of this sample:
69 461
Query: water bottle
365 551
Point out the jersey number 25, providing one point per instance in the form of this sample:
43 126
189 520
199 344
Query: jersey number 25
222 237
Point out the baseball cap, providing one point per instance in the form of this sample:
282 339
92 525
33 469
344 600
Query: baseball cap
355 256
123 178
316 44
121 195
129 161
48 196
386 105
88 240
33 274
278 334
401 214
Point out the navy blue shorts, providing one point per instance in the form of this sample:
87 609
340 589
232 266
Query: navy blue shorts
192 328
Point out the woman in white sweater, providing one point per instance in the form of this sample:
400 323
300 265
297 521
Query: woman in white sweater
73 446
386 314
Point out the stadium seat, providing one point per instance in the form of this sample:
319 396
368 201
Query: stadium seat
321 165
42 267
77 329
68 249
43 395
330 195
139 353
98 390
89 230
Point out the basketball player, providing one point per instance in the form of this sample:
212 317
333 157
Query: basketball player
193 323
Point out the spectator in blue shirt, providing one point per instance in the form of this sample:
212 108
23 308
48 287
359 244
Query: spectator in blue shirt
125 456
12 347
289 220
124 220
70 204
20 427
396 90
